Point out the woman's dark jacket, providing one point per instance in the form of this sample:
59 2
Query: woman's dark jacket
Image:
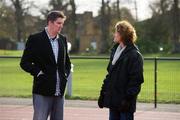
123 81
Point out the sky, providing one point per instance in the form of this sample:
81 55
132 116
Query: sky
144 11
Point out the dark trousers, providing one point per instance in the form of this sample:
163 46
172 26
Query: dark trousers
117 115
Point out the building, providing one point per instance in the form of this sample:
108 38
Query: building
88 32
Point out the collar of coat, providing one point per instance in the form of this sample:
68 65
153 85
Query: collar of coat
128 48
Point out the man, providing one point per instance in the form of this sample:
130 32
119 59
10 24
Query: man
45 57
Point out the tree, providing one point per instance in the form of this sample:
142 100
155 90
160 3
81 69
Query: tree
19 18
21 8
59 5
160 7
169 12
118 10
162 30
6 18
154 33
105 25
136 9
72 26
176 25
133 3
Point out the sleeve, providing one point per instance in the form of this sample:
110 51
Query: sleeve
135 76
105 81
27 60
103 89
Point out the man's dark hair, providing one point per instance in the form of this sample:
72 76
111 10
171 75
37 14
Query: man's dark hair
53 15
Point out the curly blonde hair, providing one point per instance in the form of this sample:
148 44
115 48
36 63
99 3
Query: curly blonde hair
127 32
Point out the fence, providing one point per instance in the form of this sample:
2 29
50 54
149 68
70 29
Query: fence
162 78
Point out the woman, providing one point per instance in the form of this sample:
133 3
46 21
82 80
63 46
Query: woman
125 75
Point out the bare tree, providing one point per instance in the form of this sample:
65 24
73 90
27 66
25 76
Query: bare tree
166 13
161 6
136 9
1 8
1 2
105 24
19 17
21 8
59 4
24 23
118 10
176 29
72 25
6 18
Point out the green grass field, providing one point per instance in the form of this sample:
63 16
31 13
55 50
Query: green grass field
19 53
10 52
88 76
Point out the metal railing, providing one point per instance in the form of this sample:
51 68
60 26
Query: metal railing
155 61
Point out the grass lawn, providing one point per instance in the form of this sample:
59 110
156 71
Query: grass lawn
10 52
19 53
88 76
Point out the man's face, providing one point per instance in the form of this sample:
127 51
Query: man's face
57 25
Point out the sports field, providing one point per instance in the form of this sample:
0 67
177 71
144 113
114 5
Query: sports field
88 76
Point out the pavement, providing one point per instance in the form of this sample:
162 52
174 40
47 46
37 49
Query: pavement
21 109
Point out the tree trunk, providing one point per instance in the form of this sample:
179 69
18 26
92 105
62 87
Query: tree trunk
19 18
73 26
118 10
105 22
176 30
136 9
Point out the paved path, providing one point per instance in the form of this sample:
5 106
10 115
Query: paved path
21 109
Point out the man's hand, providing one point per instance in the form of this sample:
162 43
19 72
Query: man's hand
40 73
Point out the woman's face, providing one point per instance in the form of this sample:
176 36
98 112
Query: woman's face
117 37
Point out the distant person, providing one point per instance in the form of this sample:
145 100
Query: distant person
125 75
46 58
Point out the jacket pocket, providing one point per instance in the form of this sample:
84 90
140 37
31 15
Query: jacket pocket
42 81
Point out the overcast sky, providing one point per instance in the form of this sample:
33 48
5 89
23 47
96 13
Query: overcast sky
94 5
